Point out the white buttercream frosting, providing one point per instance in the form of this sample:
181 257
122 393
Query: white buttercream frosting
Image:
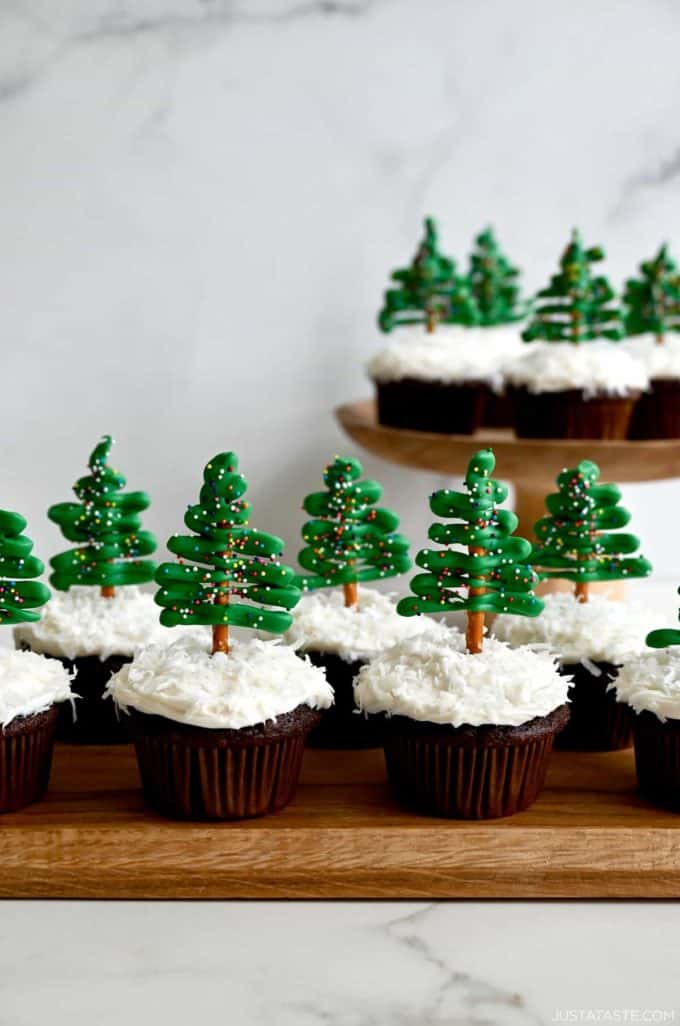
30 684
597 368
323 623
660 361
600 629
256 682
651 682
437 681
451 355
79 622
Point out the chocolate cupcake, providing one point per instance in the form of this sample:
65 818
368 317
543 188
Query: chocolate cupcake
466 736
95 626
657 412
219 736
648 687
30 685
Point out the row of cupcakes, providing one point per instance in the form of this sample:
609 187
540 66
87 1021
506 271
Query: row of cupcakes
219 724
595 368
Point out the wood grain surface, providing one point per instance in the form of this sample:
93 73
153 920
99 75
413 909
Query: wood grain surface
589 836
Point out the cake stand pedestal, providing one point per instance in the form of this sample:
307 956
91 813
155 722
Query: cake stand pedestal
530 464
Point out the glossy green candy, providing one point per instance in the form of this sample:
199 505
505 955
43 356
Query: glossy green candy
652 301
494 283
350 539
106 527
501 569
428 290
577 305
224 554
580 540
19 595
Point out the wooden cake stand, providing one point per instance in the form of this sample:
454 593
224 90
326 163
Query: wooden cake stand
530 464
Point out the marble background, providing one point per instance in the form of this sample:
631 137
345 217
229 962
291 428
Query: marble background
201 200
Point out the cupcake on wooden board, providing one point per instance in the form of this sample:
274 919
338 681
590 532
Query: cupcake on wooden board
649 688
31 686
471 722
99 616
219 726
575 381
342 625
652 320
579 541
430 378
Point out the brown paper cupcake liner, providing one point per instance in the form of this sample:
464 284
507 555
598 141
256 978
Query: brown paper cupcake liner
469 772
499 410
455 409
657 413
342 726
657 759
26 746
569 414
598 723
199 773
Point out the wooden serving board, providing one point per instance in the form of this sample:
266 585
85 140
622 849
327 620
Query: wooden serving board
588 836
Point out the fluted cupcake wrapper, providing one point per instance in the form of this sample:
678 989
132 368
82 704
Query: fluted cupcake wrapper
26 747
470 772
342 726
569 414
657 413
657 759
598 723
203 774
451 409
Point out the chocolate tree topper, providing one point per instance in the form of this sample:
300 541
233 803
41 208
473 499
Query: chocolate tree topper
494 283
227 573
481 567
19 594
652 301
577 305
580 540
106 526
664 637
428 291
349 540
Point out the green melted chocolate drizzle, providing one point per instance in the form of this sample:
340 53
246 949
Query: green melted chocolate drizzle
19 595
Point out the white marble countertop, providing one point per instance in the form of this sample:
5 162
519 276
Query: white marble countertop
343 964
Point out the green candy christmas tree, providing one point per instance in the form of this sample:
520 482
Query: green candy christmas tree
19 595
664 637
580 540
491 574
349 540
494 283
577 305
225 559
106 526
652 301
428 291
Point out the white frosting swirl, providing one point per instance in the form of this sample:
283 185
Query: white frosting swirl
437 681
79 622
323 623
660 361
450 355
30 684
651 682
256 682
596 368
601 628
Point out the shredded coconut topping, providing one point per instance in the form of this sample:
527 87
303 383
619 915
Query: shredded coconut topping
323 623
256 682
651 682
30 684
660 361
595 367
448 355
439 682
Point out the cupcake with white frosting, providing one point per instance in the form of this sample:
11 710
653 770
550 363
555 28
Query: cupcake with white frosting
469 722
340 625
575 380
220 728
649 688
31 687
591 635
652 321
